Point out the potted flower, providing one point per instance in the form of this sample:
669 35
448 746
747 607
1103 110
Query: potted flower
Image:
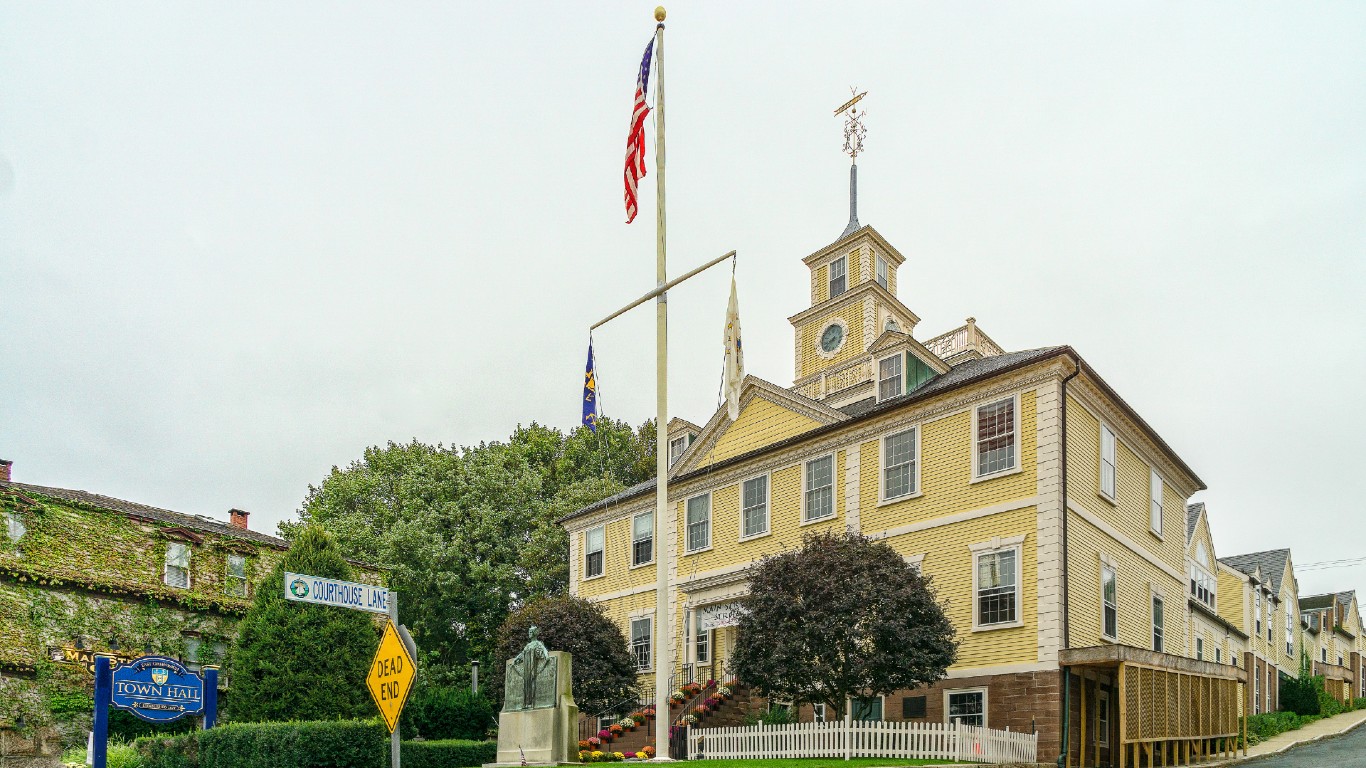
691 719
649 750
584 744
594 742
584 755
677 697
618 757
616 729
700 711
649 713
724 692
596 755
606 735
638 718
642 756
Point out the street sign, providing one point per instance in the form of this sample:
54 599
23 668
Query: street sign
157 689
336 593
391 676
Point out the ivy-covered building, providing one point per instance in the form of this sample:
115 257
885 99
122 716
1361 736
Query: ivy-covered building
82 573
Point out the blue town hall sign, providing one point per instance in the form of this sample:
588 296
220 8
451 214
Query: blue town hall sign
157 689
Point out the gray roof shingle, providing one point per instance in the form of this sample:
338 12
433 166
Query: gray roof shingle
192 522
1271 562
1192 517
964 371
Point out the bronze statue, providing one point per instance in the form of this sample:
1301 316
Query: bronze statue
530 676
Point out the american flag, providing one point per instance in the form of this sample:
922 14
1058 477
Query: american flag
635 142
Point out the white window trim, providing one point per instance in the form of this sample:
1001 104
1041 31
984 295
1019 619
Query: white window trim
990 548
1100 465
829 279
583 564
882 470
711 524
877 375
882 267
1155 597
653 529
844 338
1107 562
630 641
1153 475
768 506
818 706
1199 648
972 441
986 703
229 579
684 438
189 569
882 706
834 489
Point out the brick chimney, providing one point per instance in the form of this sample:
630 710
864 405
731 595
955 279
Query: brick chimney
238 519
5 464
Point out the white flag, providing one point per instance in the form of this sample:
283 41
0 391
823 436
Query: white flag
735 355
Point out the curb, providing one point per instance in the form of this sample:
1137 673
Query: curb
1291 745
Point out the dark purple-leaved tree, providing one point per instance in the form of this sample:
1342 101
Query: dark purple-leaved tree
842 616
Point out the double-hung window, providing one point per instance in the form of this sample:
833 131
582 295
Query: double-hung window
1107 462
592 552
1109 599
640 642
1200 648
699 522
997 587
1155 492
1159 623
177 572
642 538
236 584
898 464
1257 612
754 507
1218 655
866 709
995 437
882 273
838 278
967 707
677 446
1202 585
1289 636
1269 608
889 377
820 489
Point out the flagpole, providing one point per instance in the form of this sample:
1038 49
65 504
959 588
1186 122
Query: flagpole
663 658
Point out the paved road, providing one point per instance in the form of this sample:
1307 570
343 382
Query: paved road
1348 751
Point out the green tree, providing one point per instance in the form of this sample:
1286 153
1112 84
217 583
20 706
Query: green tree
294 661
469 534
841 617
604 673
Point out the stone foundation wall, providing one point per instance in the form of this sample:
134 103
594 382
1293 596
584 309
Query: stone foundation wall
41 748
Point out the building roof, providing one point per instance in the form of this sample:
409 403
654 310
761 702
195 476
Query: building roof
1193 512
1271 563
962 374
1316 602
192 522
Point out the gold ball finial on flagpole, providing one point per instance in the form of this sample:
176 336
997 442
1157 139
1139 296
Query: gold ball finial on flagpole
659 13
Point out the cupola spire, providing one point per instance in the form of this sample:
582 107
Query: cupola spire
854 131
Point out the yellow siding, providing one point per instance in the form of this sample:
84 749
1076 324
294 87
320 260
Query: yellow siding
1130 513
852 315
785 514
1135 577
822 279
1232 600
761 423
946 460
616 557
948 561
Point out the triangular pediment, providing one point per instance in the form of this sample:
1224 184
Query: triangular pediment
768 414
893 341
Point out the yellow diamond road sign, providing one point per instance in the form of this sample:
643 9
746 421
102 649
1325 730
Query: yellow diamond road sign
391 676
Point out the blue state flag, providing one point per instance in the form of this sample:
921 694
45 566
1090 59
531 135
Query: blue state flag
590 393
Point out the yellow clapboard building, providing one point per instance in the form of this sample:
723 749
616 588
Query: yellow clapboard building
1054 520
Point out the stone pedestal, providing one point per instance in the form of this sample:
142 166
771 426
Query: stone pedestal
546 735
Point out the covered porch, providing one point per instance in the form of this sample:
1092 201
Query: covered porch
711 615
1167 710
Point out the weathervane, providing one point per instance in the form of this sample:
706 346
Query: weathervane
854 129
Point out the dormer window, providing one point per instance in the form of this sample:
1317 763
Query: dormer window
839 282
14 528
677 446
889 377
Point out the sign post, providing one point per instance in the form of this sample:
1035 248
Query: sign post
393 669
154 688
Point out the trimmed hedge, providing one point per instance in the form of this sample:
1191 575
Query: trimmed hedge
309 744
169 751
452 753
438 713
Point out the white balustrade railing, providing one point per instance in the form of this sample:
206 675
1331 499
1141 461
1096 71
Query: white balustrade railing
908 740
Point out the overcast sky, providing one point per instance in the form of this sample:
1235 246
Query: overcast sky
240 242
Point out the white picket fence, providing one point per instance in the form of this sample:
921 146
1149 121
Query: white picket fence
924 741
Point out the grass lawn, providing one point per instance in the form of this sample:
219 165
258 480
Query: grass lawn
810 763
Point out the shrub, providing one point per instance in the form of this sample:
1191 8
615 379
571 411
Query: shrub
169 751
315 744
775 716
123 756
1358 703
449 753
1328 705
439 713
277 668
1301 695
